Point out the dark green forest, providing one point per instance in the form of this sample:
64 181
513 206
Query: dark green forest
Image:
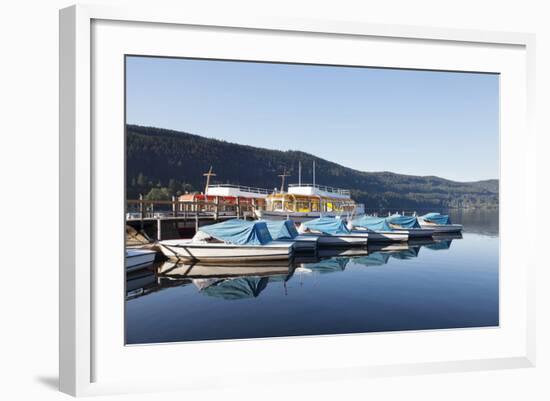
161 163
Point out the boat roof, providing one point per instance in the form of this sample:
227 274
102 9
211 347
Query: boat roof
327 225
318 190
239 232
281 229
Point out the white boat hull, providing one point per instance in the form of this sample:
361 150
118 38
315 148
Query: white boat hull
306 243
228 253
139 258
443 228
328 252
385 236
419 232
414 232
343 240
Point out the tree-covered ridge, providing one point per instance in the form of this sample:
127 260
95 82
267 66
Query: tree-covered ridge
163 162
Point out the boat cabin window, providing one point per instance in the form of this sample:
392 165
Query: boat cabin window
276 205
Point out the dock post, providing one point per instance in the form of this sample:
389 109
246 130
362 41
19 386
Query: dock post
196 222
159 229
141 212
217 209
238 207
174 207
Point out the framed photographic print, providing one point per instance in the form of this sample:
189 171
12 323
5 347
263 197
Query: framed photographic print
335 197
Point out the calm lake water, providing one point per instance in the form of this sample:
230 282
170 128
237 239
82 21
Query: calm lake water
447 283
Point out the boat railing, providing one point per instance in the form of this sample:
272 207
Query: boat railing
324 188
242 188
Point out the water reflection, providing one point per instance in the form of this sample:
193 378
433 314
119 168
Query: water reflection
447 282
230 282
233 288
479 221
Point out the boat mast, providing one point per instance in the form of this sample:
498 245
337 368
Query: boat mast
314 173
208 175
299 173
283 179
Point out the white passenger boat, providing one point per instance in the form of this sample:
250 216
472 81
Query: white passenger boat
333 232
303 202
378 229
231 241
285 230
439 223
139 258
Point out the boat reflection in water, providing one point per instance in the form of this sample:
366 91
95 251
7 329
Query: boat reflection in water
450 281
231 282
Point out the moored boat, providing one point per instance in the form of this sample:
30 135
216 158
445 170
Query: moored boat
139 259
409 224
285 230
303 202
333 232
234 240
378 229
439 223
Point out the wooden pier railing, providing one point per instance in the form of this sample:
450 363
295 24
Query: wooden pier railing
142 212
152 209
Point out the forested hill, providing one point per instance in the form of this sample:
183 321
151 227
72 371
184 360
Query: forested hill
162 162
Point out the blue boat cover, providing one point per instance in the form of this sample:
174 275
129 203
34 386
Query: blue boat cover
372 223
327 225
281 229
239 232
437 218
403 221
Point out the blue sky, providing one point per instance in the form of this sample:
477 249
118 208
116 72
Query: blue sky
410 122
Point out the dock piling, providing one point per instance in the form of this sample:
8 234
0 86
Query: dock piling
141 216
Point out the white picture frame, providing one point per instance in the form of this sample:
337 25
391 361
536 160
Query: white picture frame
91 359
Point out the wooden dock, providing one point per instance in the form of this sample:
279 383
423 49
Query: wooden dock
177 219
